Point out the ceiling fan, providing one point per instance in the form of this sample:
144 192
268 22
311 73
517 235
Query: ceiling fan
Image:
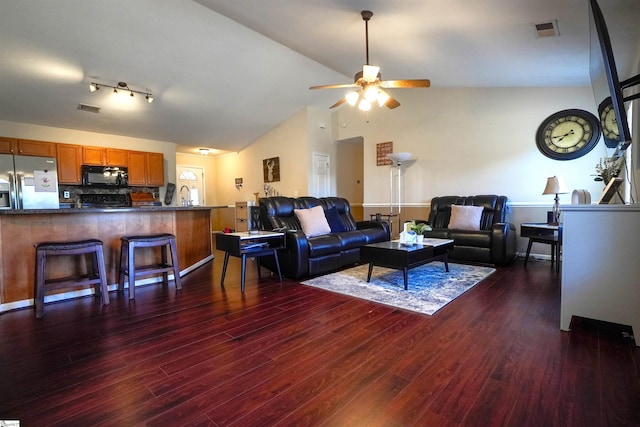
368 83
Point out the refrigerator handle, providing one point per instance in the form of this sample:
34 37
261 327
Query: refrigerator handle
18 190
13 193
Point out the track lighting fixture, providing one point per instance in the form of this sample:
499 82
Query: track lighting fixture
93 87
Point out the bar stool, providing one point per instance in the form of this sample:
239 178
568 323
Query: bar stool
128 267
96 274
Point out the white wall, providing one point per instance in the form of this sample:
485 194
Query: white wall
470 141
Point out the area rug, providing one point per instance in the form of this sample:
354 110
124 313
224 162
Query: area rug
430 286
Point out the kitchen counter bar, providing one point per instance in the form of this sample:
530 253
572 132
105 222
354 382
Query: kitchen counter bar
104 210
21 230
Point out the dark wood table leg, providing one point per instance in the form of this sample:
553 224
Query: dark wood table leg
405 276
526 257
275 255
370 270
446 262
243 270
224 268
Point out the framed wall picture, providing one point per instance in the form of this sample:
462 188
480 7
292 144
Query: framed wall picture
271 169
382 149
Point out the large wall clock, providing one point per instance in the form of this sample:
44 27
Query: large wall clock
568 134
609 123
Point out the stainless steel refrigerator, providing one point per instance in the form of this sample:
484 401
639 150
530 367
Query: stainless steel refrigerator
28 182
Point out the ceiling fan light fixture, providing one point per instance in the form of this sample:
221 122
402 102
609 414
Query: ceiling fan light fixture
371 93
383 97
370 73
352 98
364 105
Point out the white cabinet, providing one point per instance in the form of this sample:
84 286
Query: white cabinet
600 265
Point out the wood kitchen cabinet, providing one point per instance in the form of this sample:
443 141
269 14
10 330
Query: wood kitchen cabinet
146 169
104 156
8 145
27 147
69 157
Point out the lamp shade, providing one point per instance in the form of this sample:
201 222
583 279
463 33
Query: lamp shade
555 185
398 158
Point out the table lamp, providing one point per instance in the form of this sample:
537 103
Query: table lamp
555 185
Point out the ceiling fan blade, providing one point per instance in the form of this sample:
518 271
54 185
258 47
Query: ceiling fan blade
392 103
390 84
339 103
338 86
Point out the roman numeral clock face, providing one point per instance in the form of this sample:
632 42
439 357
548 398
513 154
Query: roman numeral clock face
568 134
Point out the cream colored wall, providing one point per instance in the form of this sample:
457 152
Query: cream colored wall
289 141
470 141
72 136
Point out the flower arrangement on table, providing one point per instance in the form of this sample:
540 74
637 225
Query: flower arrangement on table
607 168
419 227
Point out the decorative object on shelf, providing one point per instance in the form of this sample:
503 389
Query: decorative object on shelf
555 185
368 83
257 196
383 149
267 188
271 169
607 168
568 134
123 86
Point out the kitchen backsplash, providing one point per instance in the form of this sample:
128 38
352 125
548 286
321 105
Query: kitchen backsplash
75 192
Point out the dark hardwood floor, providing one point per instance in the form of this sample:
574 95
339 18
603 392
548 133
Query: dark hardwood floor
294 355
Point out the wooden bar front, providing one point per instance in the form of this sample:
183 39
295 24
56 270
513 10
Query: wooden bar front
20 232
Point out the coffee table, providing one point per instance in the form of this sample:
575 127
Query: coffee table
400 256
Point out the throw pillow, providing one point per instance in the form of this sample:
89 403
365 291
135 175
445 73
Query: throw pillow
313 221
334 220
465 217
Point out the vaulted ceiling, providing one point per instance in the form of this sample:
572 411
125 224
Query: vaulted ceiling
224 72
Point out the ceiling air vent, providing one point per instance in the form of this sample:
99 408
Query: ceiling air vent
89 108
547 29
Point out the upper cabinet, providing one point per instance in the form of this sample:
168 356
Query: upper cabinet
146 169
69 158
27 147
8 145
104 156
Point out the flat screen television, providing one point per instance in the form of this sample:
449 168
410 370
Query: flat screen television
607 89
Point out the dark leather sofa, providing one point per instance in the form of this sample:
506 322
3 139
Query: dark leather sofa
304 256
494 243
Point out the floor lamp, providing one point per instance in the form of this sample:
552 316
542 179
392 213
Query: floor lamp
398 159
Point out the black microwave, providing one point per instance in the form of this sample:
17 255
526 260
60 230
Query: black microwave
105 176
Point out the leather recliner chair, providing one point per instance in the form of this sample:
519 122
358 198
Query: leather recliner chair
493 243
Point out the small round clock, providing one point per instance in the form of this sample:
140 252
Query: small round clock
568 134
610 130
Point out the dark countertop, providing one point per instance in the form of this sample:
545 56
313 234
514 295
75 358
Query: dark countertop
105 210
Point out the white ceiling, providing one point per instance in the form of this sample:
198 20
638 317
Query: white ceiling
225 72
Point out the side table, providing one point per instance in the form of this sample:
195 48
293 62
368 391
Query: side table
245 244
549 234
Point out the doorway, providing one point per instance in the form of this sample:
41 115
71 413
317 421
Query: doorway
190 186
